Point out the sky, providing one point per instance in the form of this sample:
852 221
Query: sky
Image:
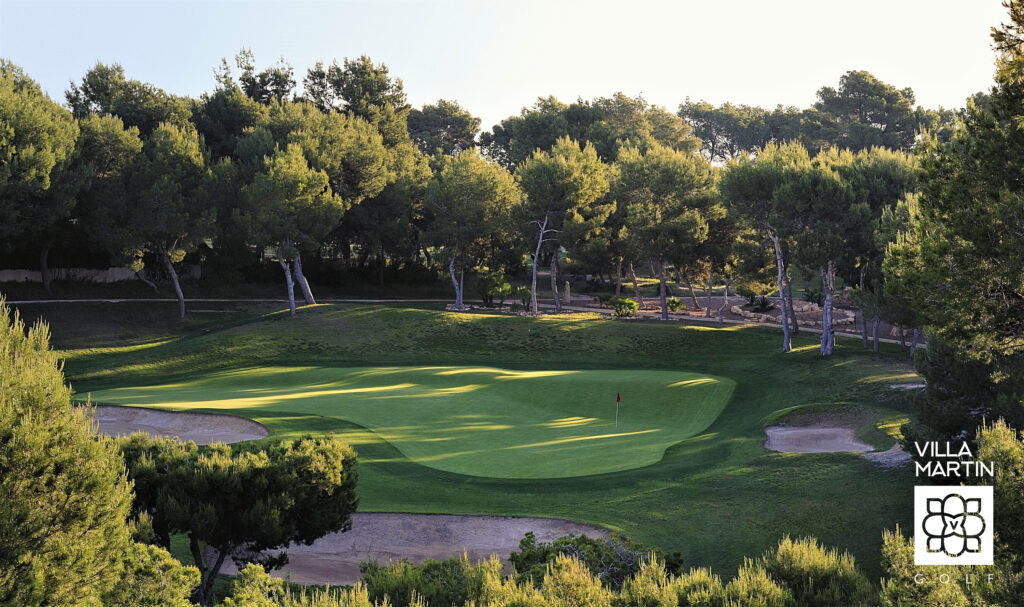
494 58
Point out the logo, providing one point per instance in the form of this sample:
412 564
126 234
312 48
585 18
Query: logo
953 525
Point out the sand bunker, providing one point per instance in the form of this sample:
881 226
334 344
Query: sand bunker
813 439
203 428
830 438
334 559
895 456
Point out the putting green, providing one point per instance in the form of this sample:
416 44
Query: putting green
478 421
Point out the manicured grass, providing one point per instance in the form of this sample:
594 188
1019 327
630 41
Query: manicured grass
480 421
716 497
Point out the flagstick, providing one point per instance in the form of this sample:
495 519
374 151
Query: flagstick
616 413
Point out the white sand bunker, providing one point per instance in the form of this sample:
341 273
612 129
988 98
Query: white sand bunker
203 428
334 559
835 433
813 439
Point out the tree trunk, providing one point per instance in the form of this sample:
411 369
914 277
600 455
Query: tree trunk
462 286
786 342
903 339
455 283
554 281
44 266
794 324
828 338
863 329
364 254
913 342
174 280
874 332
636 287
725 302
300 278
618 278
287 279
536 256
711 280
382 265
661 290
142 277
208 575
693 294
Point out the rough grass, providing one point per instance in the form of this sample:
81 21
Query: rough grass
716 497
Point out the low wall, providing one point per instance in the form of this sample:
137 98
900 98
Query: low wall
87 274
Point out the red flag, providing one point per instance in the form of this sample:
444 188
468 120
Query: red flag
618 397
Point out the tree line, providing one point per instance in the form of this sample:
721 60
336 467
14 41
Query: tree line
347 174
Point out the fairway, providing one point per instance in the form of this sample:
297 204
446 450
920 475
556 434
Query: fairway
478 421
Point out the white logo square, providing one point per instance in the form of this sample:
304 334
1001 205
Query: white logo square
953 525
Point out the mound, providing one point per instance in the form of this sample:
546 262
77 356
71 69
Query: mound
334 559
478 421
202 428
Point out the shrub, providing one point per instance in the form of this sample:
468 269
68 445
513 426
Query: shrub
675 305
814 296
64 497
623 307
761 304
652 586
489 285
569 583
818 576
453 581
523 293
753 586
255 588
900 588
699 588
613 561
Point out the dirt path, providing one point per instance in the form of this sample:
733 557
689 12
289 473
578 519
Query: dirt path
334 559
203 428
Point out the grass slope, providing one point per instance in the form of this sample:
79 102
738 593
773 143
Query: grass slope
479 421
716 497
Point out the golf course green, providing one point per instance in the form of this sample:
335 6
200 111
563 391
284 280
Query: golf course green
479 421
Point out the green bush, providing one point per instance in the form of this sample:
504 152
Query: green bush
64 495
613 561
490 285
255 588
652 586
675 304
623 307
901 588
814 296
453 581
570 583
761 304
818 576
523 294
754 587
699 588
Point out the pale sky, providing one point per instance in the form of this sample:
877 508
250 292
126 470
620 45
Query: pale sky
496 57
